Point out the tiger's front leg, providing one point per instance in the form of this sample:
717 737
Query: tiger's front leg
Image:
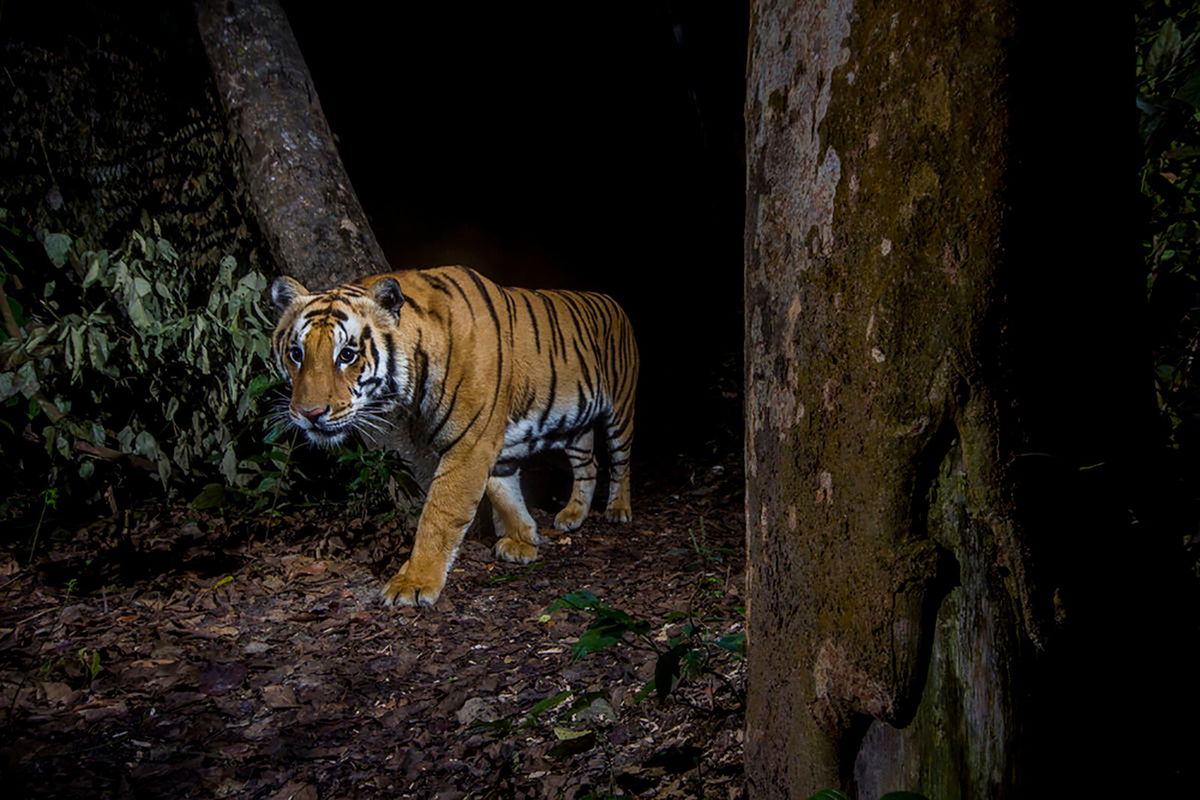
450 507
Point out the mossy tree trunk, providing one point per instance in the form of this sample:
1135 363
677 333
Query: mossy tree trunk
936 489
306 207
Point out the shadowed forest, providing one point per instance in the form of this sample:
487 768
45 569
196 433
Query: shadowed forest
189 591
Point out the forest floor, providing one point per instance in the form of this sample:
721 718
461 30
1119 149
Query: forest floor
199 656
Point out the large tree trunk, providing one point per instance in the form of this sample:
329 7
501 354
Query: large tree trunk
311 218
944 424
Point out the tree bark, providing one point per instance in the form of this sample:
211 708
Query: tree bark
930 361
316 229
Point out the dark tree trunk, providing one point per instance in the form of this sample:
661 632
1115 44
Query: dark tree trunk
312 220
947 428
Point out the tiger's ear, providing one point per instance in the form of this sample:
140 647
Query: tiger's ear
387 295
285 290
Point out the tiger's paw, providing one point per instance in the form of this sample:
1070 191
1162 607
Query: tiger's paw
510 549
571 517
411 588
619 513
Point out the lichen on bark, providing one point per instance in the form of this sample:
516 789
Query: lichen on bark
875 215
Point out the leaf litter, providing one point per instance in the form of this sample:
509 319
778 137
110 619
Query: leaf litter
214 657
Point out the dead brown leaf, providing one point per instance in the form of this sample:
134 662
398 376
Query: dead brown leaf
279 696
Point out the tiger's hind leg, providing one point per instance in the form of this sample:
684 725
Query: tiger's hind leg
583 470
619 437
517 531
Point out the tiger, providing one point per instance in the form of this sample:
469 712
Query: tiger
483 377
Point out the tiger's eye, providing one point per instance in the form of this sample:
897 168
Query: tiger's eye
347 356
295 354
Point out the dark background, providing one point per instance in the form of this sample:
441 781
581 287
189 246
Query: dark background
562 145
548 145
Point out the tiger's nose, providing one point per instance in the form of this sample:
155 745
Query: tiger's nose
310 413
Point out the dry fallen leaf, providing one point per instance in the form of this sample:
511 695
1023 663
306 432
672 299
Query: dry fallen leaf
296 791
59 694
279 696
151 662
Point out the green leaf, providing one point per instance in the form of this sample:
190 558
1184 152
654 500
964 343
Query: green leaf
574 745
144 445
644 692
57 246
211 496
594 709
666 670
615 617
166 251
27 380
1164 50
692 663
273 433
94 262
229 465
75 357
137 312
601 634
61 443
733 642
501 725
564 734
164 470
98 347
579 600
18 312
547 703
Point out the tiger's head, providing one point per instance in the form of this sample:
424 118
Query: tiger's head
338 349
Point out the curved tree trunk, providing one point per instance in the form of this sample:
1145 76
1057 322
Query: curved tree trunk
308 211
310 215
933 373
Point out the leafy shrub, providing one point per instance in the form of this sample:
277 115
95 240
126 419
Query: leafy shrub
687 655
1168 77
380 478
137 338
134 355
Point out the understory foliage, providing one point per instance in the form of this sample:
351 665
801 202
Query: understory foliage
685 651
1168 100
134 352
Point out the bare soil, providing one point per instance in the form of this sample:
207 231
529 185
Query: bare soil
180 655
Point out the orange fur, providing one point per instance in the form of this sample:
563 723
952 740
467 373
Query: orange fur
487 375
